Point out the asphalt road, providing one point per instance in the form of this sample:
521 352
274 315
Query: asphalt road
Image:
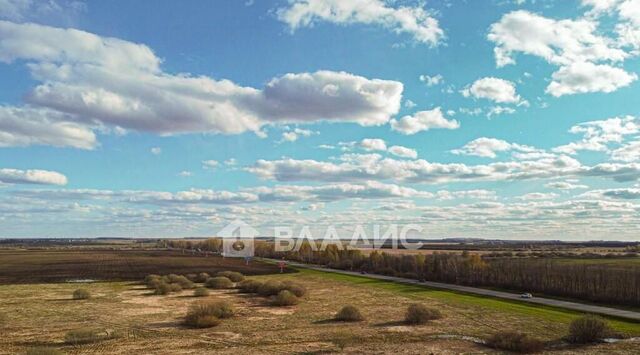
580 307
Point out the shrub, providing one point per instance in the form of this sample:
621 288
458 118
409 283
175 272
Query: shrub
270 288
516 342
295 288
588 329
342 339
81 294
162 288
202 277
44 351
3 320
201 292
184 282
285 298
231 275
249 286
151 277
207 314
219 282
175 287
349 314
192 277
86 336
420 314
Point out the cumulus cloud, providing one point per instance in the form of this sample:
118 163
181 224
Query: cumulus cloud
585 77
373 144
488 147
423 121
432 80
576 46
560 42
494 89
363 167
293 135
416 21
210 164
32 126
37 177
403 152
101 81
156 150
597 135
628 152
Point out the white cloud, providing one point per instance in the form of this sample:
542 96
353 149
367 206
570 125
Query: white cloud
292 136
565 185
576 46
41 11
415 21
487 148
597 135
432 80
32 126
538 196
373 144
423 121
560 42
403 152
585 77
39 177
100 81
156 150
210 164
628 152
185 173
494 89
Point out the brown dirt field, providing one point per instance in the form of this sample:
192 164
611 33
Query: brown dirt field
41 314
34 266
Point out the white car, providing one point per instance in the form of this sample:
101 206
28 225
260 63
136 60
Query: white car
526 295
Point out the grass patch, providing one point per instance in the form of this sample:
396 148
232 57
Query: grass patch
547 313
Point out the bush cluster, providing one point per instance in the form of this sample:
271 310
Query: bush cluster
284 298
219 282
163 285
231 275
515 342
207 314
420 314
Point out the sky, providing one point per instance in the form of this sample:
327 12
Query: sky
511 119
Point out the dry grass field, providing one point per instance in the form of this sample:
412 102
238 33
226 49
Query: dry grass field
138 322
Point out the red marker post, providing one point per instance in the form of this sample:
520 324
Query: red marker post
282 264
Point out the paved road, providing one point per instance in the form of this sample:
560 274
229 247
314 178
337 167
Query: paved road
614 312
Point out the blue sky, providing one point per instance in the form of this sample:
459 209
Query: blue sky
506 119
